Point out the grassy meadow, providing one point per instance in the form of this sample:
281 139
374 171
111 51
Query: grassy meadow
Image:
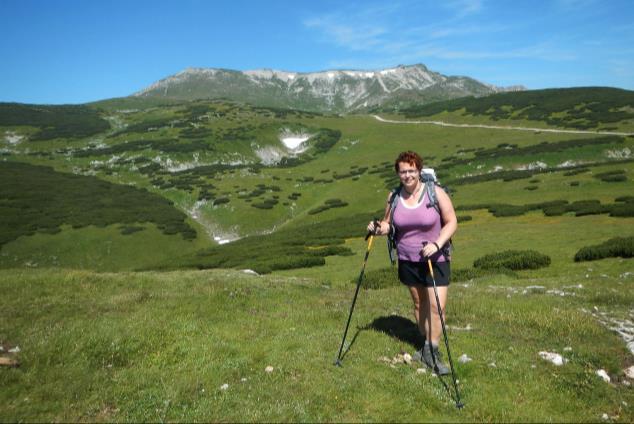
125 307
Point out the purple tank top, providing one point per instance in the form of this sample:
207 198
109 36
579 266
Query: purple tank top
414 225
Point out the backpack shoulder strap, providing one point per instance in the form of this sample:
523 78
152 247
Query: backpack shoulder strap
391 244
430 189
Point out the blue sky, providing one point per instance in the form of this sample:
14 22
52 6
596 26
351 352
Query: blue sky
76 51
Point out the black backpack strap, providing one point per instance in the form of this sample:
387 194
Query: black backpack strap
430 189
391 235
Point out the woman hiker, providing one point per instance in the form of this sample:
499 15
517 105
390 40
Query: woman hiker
421 233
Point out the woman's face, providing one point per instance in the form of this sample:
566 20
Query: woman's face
408 174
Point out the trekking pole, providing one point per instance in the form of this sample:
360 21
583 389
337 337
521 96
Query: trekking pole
370 236
459 404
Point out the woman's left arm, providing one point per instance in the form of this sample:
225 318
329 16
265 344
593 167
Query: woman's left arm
449 220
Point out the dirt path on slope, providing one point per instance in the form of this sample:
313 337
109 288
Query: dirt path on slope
502 127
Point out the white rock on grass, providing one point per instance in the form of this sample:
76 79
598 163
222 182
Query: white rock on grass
421 371
268 369
407 358
604 375
555 358
224 387
464 359
15 350
629 372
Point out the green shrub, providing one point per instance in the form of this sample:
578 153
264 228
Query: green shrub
380 278
587 207
576 172
612 176
515 260
221 200
464 218
615 247
623 209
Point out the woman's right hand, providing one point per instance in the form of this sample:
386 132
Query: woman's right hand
374 227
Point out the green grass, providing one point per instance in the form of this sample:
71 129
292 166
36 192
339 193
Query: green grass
161 345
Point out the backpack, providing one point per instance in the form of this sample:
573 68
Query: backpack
428 177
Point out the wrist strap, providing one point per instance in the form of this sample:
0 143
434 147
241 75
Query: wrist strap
436 244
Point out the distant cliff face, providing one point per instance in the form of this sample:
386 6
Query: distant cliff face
328 91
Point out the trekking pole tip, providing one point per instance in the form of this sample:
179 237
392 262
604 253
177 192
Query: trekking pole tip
338 363
459 405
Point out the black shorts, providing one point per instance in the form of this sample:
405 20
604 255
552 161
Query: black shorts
417 273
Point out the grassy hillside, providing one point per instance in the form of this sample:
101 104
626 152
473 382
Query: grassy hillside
194 346
224 166
580 108
164 183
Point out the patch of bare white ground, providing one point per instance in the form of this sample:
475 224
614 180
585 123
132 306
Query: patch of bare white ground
624 327
293 141
269 155
213 230
13 138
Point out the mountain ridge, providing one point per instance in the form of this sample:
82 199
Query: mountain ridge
323 91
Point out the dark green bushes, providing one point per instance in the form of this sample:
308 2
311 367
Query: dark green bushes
325 139
266 204
39 199
515 260
612 176
64 121
615 247
330 203
298 247
624 208
380 278
581 108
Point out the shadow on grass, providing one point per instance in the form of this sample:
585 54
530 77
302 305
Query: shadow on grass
395 326
400 328
404 330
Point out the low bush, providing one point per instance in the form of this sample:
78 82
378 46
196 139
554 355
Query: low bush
515 260
221 200
464 218
266 204
612 176
380 279
615 247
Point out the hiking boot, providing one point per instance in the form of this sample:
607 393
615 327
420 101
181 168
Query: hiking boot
431 358
439 368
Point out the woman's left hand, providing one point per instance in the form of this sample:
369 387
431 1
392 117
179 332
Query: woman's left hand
429 249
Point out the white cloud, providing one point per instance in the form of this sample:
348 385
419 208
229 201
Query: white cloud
464 8
361 36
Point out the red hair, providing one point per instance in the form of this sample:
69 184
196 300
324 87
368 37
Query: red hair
411 158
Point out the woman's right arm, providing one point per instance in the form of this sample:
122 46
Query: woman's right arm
384 225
